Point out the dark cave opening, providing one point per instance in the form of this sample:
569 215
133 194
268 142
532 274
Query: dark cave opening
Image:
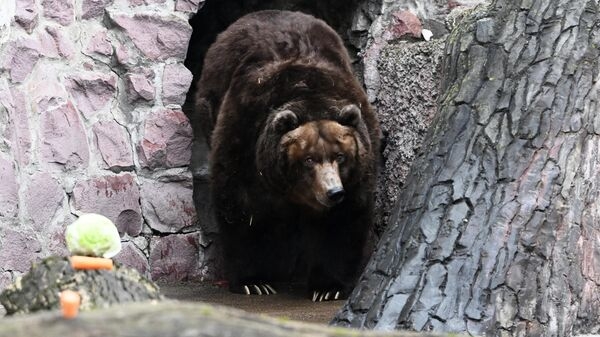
350 18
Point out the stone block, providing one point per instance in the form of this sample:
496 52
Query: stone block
26 14
100 43
167 140
9 193
123 55
13 100
60 11
112 143
117 197
93 8
55 240
62 138
46 44
168 206
20 56
92 91
188 6
175 257
19 249
42 198
404 24
63 44
131 256
139 85
175 84
157 37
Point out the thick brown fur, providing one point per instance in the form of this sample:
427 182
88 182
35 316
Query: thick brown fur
275 90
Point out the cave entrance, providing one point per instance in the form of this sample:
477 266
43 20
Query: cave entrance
350 18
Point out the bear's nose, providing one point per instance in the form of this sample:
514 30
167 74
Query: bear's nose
336 194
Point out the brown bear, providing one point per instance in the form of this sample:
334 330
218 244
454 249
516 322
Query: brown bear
293 154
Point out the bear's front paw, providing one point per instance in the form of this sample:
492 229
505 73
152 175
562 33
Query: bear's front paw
330 295
257 289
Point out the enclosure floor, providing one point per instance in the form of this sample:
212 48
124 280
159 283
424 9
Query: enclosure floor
289 303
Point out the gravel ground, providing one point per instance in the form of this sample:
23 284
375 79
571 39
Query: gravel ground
289 303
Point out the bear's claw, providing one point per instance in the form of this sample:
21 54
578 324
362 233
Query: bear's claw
320 296
259 289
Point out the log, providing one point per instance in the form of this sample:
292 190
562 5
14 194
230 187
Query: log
39 289
496 230
173 318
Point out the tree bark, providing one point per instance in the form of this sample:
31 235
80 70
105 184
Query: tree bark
496 231
170 318
39 289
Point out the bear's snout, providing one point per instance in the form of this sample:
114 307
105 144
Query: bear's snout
336 194
332 190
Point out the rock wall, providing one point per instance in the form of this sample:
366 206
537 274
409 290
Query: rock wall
402 74
91 95
91 121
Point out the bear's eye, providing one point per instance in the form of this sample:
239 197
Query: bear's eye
309 161
340 158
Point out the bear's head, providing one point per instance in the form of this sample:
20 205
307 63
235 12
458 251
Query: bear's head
314 163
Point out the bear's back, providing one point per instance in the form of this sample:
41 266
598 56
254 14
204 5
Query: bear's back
264 37
274 35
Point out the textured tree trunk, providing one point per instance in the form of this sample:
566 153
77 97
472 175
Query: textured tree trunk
497 229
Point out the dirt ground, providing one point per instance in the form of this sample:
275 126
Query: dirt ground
289 302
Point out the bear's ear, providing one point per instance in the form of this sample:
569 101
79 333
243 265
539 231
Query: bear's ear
350 115
284 121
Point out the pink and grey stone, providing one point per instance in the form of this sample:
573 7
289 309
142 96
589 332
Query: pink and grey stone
167 140
188 6
63 44
122 54
157 37
47 95
113 144
139 85
135 3
63 140
175 257
72 110
20 57
19 249
60 11
93 8
9 193
43 198
55 238
404 24
131 256
92 91
13 99
47 44
176 82
26 14
117 197
100 44
168 206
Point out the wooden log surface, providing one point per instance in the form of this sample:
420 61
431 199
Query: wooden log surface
496 230
173 318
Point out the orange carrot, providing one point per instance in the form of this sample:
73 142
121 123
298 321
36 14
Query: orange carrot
69 303
88 262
